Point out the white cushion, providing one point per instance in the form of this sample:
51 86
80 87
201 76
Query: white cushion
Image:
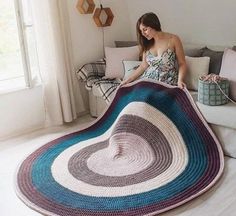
227 138
224 115
196 67
130 66
228 70
114 58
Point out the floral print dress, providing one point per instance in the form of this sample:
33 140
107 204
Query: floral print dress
162 68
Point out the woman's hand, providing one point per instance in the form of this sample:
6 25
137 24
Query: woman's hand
181 84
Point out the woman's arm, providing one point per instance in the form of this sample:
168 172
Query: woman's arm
138 72
181 61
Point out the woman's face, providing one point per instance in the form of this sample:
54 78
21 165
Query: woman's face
147 32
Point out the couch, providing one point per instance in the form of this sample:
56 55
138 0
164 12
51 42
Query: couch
222 118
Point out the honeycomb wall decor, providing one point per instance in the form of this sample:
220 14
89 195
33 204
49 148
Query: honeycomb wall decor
85 6
97 17
102 16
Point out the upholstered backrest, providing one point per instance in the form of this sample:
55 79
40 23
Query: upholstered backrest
214 52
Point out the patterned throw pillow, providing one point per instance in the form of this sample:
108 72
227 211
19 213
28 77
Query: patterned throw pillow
228 70
114 58
196 67
129 67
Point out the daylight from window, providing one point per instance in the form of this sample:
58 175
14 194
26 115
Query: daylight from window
11 67
18 53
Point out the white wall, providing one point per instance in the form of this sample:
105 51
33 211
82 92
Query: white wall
209 22
21 111
87 38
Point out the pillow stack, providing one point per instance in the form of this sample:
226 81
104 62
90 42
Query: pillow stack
194 57
222 63
124 59
115 58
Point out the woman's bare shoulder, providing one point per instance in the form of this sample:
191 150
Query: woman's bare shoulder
175 38
169 35
172 38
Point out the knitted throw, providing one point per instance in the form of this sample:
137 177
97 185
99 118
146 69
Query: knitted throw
151 151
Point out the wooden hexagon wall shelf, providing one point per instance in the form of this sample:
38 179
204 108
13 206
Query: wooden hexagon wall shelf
85 6
97 17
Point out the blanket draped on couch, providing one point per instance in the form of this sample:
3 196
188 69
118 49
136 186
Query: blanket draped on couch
149 152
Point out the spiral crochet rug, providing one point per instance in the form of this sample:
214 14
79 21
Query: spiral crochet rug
151 151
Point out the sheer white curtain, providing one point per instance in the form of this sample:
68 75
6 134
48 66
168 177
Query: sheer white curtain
55 60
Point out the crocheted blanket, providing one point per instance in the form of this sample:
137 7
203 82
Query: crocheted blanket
151 151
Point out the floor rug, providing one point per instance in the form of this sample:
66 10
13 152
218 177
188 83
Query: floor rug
150 152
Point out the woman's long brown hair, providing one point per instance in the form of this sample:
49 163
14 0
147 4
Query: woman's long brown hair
148 20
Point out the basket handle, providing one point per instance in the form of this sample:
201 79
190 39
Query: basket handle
224 92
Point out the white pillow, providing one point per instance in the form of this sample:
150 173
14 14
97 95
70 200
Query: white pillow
114 58
129 67
228 70
196 67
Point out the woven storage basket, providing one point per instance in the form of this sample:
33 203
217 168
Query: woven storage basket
209 93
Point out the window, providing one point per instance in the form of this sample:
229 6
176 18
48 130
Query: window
18 55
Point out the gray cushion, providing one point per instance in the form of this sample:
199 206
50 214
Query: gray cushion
193 52
215 59
125 43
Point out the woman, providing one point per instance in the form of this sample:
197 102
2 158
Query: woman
162 53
